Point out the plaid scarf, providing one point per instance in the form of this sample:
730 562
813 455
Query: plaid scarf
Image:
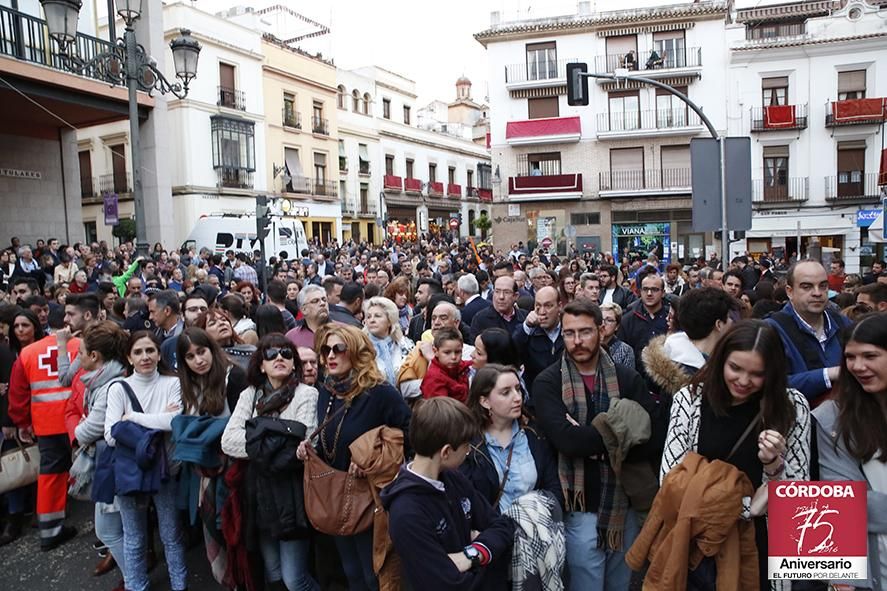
614 503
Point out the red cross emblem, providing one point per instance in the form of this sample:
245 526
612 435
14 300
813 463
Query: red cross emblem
49 361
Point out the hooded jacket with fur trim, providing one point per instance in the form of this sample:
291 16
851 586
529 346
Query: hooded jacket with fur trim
670 361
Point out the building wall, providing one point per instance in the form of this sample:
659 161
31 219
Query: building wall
45 207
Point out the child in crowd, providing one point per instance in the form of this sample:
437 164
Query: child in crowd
448 374
446 533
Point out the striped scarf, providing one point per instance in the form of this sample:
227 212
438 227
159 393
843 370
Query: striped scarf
614 503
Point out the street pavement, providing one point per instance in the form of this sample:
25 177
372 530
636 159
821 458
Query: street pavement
68 568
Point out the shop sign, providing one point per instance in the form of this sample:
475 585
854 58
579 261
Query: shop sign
514 209
21 174
865 217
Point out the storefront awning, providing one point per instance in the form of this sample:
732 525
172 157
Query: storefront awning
876 230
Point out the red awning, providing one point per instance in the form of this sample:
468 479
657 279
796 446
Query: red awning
543 127
882 173
776 116
859 109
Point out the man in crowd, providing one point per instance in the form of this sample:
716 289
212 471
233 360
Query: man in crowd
468 292
674 283
874 295
733 283
611 293
315 313
568 397
836 276
333 286
504 312
711 277
349 307
648 320
243 271
810 330
589 287
28 267
426 287
877 269
276 292
164 311
538 339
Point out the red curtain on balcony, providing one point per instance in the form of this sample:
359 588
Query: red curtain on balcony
543 127
882 172
776 116
859 109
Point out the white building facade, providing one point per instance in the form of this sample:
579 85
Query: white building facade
807 83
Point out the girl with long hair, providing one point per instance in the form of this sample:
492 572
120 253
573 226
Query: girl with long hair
269 320
398 291
220 329
852 431
24 331
744 383
275 390
353 381
244 326
159 394
509 459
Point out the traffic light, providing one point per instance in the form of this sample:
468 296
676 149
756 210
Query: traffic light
263 217
577 85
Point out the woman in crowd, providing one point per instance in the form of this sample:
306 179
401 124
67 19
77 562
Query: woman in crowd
217 324
244 326
275 390
159 395
103 360
79 284
65 270
25 330
381 324
250 296
59 293
510 459
353 381
269 320
398 291
211 387
744 384
293 287
566 286
852 432
619 351
494 345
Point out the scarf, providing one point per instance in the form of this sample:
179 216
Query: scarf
270 401
339 386
614 503
403 316
383 354
97 378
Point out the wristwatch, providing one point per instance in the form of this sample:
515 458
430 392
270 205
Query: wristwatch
472 554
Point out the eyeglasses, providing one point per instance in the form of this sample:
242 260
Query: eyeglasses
275 352
337 349
651 289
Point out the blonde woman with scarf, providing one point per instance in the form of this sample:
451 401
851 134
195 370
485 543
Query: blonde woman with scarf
381 325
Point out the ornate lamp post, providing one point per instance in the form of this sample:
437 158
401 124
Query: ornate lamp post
126 64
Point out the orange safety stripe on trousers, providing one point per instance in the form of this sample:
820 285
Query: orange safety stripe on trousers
52 493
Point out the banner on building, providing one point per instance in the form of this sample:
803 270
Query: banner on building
817 530
110 208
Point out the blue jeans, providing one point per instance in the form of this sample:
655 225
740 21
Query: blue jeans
356 553
134 513
590 567
109 529
287 560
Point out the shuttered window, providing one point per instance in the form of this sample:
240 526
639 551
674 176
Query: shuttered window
851 85
538 108
623 159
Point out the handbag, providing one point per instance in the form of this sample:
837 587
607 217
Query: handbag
337 503
19 466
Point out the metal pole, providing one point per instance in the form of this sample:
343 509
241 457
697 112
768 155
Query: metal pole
725 233
129 37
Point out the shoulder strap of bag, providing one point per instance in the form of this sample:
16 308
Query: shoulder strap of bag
754 423
504 475
133 401
327 421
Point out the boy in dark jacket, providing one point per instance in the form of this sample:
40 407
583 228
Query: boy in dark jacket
447 374
446 534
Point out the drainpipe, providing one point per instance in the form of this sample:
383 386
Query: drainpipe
64 188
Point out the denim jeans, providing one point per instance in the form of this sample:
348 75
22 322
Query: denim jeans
590 567
109 529
134 514
287 560
356 553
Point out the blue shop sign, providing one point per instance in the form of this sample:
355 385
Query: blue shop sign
865 217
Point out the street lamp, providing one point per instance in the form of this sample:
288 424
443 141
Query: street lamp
138 72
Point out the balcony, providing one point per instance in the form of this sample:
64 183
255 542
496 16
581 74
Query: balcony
454 190
363 168
26 38
435 189
661 122
553 130
412 186
668 64
110 183
292 119
307 186
776 117
537 75
231 98
544 187
234 178
485 194
852 188
633 183
392 183
320 125
867 111
793 192
324 188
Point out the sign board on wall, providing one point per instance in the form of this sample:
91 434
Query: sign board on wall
110 209
513 209
21 174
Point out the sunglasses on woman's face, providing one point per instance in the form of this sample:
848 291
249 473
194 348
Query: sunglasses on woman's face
338 349
272 354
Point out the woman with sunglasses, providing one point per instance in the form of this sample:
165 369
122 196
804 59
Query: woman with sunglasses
275 390
160 396
353 381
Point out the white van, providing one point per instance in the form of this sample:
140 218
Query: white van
221 233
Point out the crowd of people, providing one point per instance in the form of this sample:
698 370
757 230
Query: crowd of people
435 415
